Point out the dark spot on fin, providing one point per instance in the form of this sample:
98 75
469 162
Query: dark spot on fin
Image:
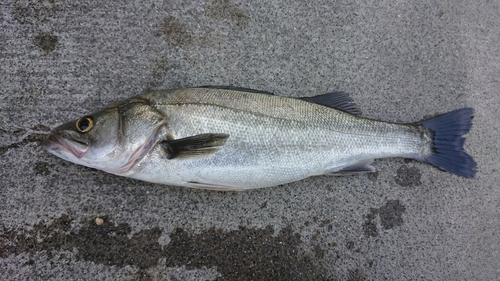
338 100
447 143
356 169
196 145
216 187
234 88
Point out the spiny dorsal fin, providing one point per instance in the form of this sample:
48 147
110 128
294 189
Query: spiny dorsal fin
338 100
194 146
234 88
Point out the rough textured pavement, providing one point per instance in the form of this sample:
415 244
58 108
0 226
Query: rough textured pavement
401 61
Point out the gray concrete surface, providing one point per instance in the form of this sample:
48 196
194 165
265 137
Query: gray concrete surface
400 60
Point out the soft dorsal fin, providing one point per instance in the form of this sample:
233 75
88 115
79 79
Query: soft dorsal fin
338 100
203 144
234 88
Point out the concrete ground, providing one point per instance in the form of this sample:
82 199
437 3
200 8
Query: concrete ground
400 60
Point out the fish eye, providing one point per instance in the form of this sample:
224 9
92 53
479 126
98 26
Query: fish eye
85 124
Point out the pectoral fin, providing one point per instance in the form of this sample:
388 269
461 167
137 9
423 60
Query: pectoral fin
203 144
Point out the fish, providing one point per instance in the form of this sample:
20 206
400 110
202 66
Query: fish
231 139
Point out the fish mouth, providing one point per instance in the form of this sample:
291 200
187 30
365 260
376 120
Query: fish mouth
58 144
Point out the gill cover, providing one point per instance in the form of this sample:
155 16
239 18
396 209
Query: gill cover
113 139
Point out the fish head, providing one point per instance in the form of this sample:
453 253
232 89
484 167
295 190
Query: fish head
113 139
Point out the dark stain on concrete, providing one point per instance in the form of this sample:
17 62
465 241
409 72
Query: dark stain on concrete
43 168
160 67
16 241
373 176
370 225
40 127
19 132
33 11
263 205
241 254
159 70
34 137
109 244
324 223
225 10
319 253
349 245
391 214
176 33
105 244
408 176
46 42
357 275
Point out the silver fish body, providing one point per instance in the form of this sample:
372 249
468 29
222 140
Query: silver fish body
226 139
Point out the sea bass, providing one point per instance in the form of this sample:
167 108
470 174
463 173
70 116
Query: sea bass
226 138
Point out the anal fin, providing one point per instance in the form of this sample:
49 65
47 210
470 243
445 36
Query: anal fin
356 169
216 187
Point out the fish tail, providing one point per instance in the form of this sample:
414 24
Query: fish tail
447 144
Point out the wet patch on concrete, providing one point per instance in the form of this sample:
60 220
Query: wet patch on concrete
160 67
43 168
390 216
179 35
370 225
103 244
109 244
40 127
241 254
159 70
318 252
46 42
176 33
225 10
19 132
357 275
263 205
33 11
373 176
408 176
16 241
34 137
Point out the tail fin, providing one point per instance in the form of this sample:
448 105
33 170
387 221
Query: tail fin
448 152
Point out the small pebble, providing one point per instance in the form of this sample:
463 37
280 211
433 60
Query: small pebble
99 221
